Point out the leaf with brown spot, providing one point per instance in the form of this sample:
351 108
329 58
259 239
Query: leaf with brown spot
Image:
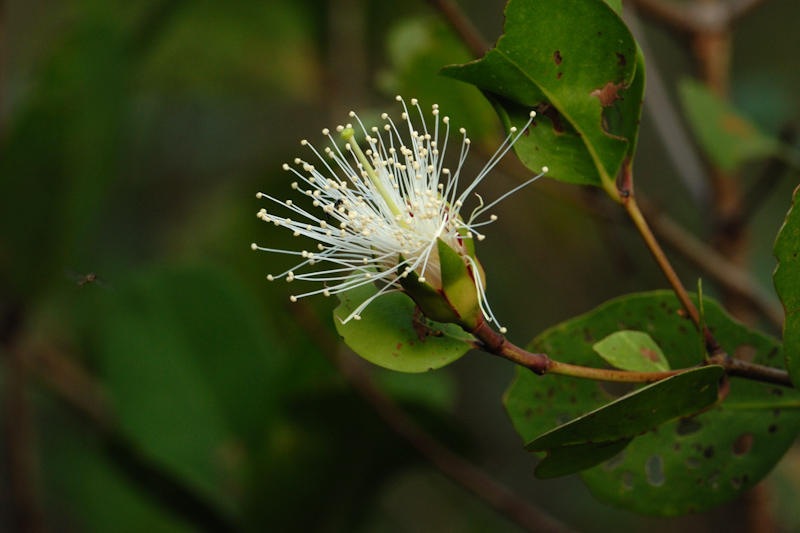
608 94
558 53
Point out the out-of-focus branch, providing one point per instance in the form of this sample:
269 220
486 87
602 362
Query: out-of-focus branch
461 25
26 511
665 119
457 469
700 15
670 14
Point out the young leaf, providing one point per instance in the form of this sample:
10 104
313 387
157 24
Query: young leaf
632 350
727 138
787 283
688 465
395 335
574 62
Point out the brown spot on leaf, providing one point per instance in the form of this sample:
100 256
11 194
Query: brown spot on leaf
742 444
647 353
621 61
399 345
557 57
421 328
546 110
559 75
608 94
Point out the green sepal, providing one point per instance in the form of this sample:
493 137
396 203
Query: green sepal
431 302
458 286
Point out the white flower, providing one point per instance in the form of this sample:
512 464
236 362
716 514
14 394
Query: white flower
377 216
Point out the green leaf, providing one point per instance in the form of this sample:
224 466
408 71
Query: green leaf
685 466
632 350
787 283
395 335
726 136
639 412
574 62
616 5
565 460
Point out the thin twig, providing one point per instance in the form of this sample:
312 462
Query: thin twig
723 271
496 344
712 346
457 469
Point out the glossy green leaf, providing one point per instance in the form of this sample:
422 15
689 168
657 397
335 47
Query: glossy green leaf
684 466
572 458
632 350
787 283
573 62
641 411
393 334
727 137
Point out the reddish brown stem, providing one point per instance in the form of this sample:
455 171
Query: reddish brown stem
494 343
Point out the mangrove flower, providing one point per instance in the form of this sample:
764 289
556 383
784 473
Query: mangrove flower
391 215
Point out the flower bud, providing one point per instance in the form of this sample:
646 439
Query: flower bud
452 296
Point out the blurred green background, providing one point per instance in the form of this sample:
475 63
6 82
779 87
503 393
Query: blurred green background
181 391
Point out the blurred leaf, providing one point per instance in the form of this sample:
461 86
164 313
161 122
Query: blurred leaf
61 154
394 335
684 466
787 283
434 390
641 411
253 46
727 138
632 350
96 495
418 48
192 368
573 62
